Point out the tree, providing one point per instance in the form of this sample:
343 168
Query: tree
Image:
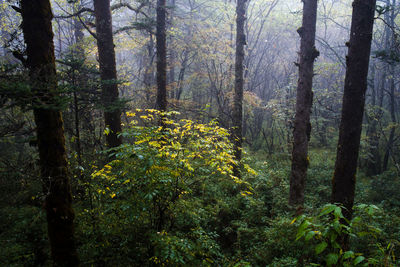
38 35
161 102
108 71
392 101
344 178
302 125
237 112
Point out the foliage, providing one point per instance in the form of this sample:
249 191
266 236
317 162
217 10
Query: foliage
325 231
165 188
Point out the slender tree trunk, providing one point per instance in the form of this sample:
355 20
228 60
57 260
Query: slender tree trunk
389 145
373 164
3 37
148 77
344 178
79 54
38 35
181 77
108 71
237 112
302 125
172 53
161 102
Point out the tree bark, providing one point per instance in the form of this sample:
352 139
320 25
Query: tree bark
161 102
108 71
237 112
302 125
38 35
344 178
392 100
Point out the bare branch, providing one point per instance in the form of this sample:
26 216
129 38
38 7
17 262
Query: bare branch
83 10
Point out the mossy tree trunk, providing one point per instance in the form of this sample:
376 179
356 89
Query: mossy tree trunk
108 71
237 112
161 101
38 35
302 125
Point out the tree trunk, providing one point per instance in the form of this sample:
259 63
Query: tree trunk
344 178
148 77
373 164
172 53
237 112
392 100
302 125
79 55
38 35
161 102
108 71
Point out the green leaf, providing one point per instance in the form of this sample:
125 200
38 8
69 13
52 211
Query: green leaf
332 259
338 212
348 254
302 229
320 247
328 209
309 235
358 260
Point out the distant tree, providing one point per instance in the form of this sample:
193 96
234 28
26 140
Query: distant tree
237 112
38 35
108 71
304 99
391 93
344 178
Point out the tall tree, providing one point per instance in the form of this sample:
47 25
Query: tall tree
344 178
392 98
237 112
161 102
108 71
38 35
302 125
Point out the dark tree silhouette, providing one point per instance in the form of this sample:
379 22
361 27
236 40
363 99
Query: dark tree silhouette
237 112
302 125
344 178
161 102
108 71
38 35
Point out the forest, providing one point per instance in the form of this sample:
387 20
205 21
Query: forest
200 133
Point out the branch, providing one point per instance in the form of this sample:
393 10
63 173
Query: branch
83 10
136 10
17 9
125 28
87 28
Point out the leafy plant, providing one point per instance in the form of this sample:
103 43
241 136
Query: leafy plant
324 230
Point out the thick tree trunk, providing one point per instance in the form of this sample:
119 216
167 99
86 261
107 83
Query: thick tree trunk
302 125
108 71
237 112
344 178
38 35
161 102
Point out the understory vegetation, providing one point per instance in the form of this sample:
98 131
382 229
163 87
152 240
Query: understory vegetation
169 198
199 133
